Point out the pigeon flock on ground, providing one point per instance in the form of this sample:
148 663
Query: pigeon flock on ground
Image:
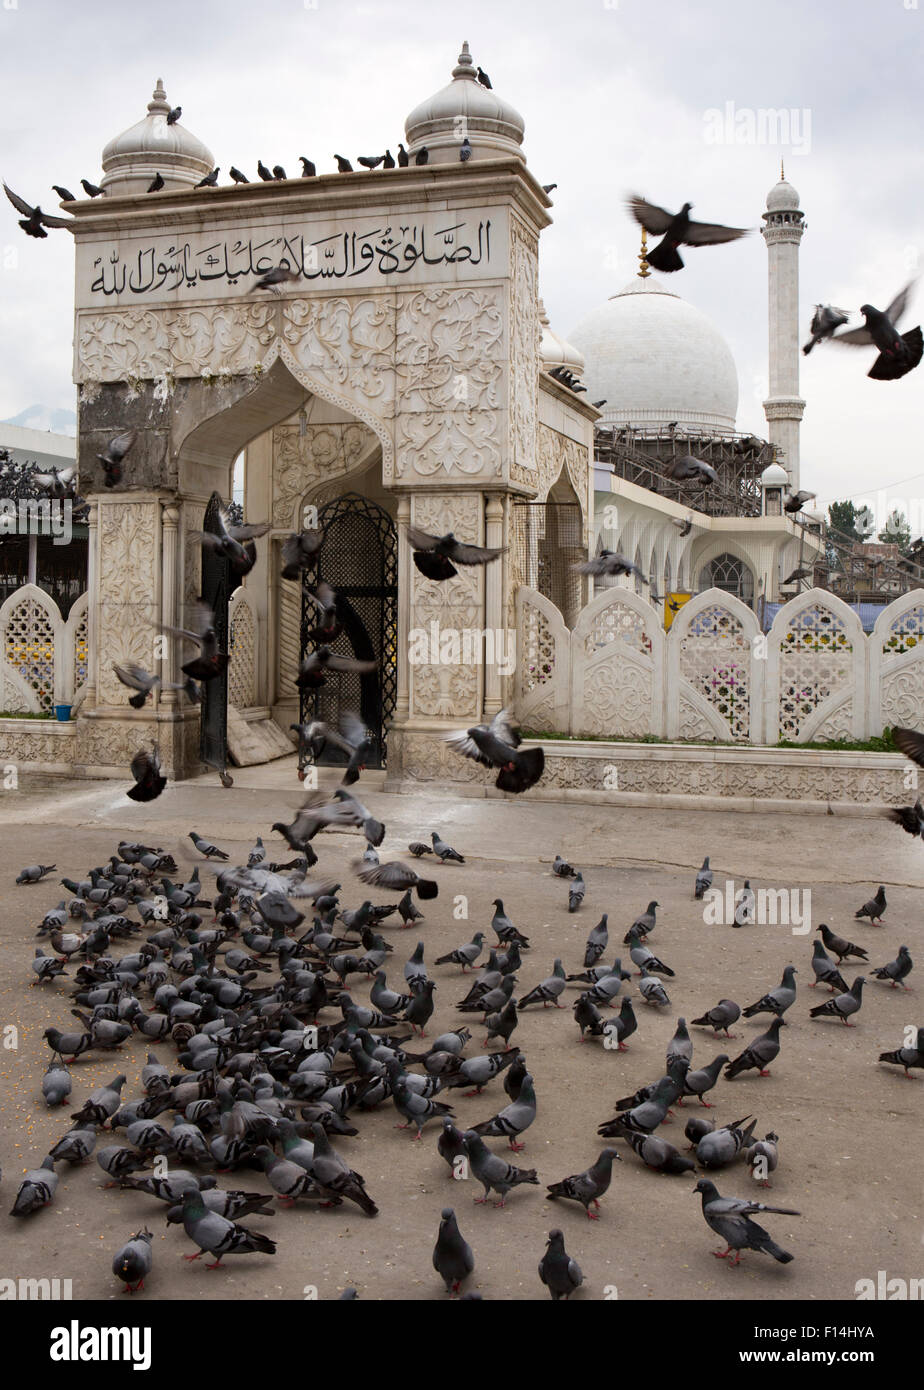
281 1015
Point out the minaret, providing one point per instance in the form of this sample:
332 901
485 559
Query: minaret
783 407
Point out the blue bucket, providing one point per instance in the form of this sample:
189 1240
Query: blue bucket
63 713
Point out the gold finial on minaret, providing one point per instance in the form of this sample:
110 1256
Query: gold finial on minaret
644 272
782 172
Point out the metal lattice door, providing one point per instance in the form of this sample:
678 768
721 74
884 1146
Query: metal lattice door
216 590
359 560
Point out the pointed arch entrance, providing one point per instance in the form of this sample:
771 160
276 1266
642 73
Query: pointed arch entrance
359 560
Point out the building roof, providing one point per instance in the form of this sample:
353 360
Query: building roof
132 160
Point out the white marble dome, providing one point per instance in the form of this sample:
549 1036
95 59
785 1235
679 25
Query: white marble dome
133 159
656 359
554 351
782 197
465 108
774 476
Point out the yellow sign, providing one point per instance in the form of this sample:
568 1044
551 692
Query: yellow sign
672 606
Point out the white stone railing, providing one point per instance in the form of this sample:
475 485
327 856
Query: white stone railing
815 676
43 657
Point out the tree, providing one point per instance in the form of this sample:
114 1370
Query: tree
846 526
897 531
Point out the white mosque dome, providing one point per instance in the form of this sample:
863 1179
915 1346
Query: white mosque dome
774 476
465 108
554 351
150 147
656 359
782 197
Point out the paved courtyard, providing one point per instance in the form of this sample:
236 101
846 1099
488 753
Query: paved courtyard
849 1127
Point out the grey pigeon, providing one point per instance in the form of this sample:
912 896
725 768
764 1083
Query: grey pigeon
576 892
557 1270
548 991
824 321
646 960
703 879
907 1056
698 1083
645 1117
842 948
451 1145
514 1118
677 229
874 908
452 1255
609 562
652 990
680 1044
217 1235
730 1218
443 851
763 1158
725 1013
75 1146
34 873
56 1084
36 1190
826 972
776 1001
597 939
101 1103
335 1175
464 955
289 1180
561 868
899 353
656 1153
494 1172
896 970
587 1187
842 1005
643 925
759 1055
133 1262
723 1145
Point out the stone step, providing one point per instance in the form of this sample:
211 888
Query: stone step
256 741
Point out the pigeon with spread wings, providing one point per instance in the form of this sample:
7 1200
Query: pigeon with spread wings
312 671
434 555
114 453
609 562
824 321
498 745
57 482
211 661
144 684
354 740
328 626
396 876
899 353
677 229
232 541
299 551
34 220
145 768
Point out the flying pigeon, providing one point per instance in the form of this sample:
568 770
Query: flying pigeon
397 876
899 353
497 745
313 669
730 1218
112 456
434 555
797 501
824 321
910 818
677 230
557 1270
609 562
279 275
145 769
228 541
299 551
34 220
687 469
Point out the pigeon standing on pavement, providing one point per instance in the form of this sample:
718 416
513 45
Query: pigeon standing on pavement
897 970
907 1056
596 943
587 1187
514 1118
557 1270
778 1000
730 1218
132 1264
494 1172
443 851
576 891
825 971
703 879
874 908
763 1157
561 868
841 947
452 1255
842 1006
759 1055
36 1190
725 1013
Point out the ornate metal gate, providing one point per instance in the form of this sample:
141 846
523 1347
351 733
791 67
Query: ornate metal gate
359 560
216 590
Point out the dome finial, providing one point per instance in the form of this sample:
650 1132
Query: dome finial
644 272
782 172
465 66
160 102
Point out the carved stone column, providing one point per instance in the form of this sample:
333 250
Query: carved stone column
405 569
89 699
171 598
494 604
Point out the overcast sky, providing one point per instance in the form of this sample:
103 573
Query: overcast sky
614 96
